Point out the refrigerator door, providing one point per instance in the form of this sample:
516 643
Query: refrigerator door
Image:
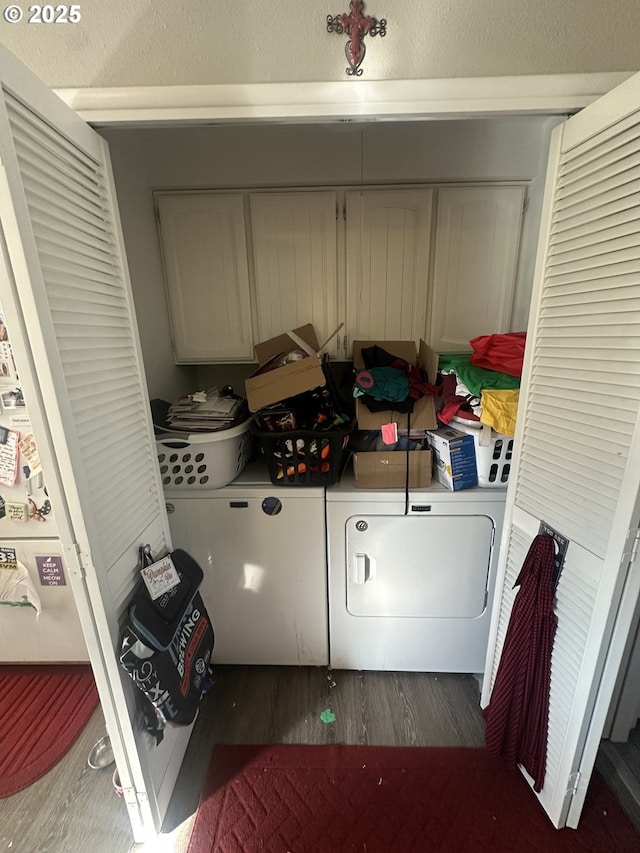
26 511
54 635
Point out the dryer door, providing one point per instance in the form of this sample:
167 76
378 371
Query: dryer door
410 566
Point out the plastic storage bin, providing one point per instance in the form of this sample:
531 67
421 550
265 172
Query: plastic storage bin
493 454
303 457
207 460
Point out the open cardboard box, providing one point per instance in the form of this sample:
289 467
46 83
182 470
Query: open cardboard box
424 411
268 385
380 470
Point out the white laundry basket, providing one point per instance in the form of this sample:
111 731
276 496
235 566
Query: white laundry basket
493 453
207 460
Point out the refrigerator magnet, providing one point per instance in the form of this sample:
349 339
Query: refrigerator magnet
16 511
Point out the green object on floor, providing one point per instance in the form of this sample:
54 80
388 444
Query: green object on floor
327 716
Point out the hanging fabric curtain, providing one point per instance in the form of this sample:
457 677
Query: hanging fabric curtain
518 711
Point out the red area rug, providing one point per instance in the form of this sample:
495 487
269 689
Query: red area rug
330 799
43 709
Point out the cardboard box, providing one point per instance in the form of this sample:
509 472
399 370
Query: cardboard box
268 385
388 470
454 458
423 416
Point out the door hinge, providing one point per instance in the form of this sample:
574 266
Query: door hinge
631 547
525 205
574 781
75 560
344 211
337 212
634 546
136 801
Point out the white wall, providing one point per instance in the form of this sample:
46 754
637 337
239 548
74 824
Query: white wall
163 42
302 155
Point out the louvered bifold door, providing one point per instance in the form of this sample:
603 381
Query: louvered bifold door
73 327
577 463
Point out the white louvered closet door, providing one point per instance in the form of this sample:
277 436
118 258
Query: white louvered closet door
64 287
578 435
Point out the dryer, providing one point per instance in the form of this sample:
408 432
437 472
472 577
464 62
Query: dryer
411 591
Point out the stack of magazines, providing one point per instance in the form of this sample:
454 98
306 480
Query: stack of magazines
205 411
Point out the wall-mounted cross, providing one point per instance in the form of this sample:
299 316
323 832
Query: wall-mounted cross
357 26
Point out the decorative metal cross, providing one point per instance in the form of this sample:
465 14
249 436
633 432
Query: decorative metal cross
357 26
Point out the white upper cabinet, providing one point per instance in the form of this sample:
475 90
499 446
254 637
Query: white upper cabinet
294 245
205 258
388 240
390 263
475 257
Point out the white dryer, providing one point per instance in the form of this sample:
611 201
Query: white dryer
262 550
411 591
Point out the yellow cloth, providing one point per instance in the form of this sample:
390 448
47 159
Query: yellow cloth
499 409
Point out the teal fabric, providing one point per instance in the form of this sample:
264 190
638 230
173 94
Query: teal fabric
390 383
475 378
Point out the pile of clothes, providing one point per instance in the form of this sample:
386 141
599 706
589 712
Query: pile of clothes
484 386
481 387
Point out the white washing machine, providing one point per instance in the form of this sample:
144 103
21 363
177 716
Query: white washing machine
262 551
411 592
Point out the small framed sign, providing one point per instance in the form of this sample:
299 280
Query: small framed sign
160 577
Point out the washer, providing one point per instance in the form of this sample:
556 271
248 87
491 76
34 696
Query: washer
411 592
262 550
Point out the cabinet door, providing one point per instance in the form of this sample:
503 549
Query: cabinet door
205 260
294 256
388 236
476 250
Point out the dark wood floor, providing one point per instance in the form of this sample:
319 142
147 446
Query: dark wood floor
74 809
283 705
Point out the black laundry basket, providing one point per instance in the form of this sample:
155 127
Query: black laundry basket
304 457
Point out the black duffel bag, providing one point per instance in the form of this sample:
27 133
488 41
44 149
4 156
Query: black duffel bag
167 643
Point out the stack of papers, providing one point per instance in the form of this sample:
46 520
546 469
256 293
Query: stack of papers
204 412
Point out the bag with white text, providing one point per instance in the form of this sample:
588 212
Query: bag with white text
167 644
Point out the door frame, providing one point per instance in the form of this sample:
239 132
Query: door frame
346 101
381 100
